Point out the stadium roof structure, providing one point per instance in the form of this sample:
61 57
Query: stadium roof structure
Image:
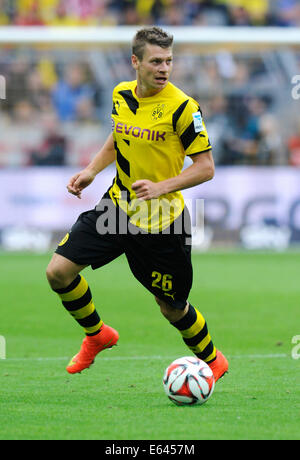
272 36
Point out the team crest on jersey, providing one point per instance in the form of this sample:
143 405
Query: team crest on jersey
64 240
158 112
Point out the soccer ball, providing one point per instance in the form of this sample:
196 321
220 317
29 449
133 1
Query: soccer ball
188 381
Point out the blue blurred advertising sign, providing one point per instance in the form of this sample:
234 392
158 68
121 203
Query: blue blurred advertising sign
238 201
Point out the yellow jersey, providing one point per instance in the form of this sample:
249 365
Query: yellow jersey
151 136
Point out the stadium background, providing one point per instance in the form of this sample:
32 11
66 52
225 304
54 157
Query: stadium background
56 113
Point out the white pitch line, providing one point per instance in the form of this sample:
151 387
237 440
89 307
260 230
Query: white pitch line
144 358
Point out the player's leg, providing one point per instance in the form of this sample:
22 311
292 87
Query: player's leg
165 270
170 313
162 263
72 288
61 271
192 327
83 246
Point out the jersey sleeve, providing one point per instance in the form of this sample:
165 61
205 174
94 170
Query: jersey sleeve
190 127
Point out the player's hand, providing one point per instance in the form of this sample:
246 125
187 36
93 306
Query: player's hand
80 181
146 189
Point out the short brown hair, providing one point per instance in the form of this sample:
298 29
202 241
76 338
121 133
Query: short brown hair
152 35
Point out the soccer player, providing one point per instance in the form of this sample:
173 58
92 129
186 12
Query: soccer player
155 125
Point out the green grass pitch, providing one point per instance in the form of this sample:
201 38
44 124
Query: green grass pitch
251 304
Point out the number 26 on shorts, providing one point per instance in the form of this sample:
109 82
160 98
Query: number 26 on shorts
162 281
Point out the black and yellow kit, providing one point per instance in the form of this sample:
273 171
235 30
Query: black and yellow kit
151 136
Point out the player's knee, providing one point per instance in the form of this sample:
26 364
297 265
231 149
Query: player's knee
158 301
52 275
172 314
165 308
163 305
56 277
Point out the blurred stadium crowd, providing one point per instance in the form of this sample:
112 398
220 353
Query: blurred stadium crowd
58 100
166 12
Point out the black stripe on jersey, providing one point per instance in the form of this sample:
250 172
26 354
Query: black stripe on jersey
122 187
114 110
177 113
189 135
130 100
122 162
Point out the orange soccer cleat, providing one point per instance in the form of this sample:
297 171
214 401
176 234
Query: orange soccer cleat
91 346
219 366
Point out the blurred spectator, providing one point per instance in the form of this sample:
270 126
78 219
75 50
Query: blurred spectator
272 149
62 17
30 17
70 91
4 18
84 10
85 111
52 151
129 16
174 15
241 143
209 13
286 13
156 11
245 13
39 82
259 11
218 124
23 112
239 16
16 87
163 12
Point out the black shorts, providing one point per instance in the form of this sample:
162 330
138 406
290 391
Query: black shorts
161 262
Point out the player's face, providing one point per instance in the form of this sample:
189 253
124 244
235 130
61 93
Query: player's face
154 70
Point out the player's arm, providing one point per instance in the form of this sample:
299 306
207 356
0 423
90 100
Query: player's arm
104 158
200 171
